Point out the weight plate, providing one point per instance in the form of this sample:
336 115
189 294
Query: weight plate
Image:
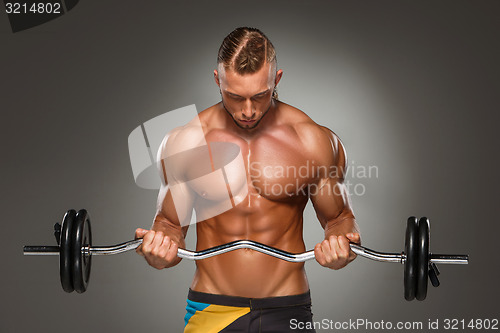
81 261
65 248
87 258
423 258
410 277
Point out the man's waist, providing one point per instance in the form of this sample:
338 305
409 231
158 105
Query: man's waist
253 303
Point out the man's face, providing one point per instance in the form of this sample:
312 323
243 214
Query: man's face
247 97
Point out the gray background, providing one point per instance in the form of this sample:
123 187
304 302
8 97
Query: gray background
410 87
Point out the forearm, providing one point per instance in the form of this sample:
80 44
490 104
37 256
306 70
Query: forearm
342 225
175 232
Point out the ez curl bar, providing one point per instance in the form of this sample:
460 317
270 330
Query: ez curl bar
75 252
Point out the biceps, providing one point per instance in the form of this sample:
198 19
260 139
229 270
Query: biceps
175 204
330 200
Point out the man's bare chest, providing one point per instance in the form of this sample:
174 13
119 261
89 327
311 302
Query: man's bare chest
274 166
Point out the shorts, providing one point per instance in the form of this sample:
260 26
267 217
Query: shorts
211 313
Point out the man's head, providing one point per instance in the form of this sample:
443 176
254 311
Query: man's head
246 74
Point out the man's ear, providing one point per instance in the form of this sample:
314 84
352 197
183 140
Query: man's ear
279 74
216 77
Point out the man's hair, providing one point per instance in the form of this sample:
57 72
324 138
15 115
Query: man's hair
245 50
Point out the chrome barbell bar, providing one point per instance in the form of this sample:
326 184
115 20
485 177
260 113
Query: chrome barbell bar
248 244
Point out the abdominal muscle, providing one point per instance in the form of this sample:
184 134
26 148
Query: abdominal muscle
245 272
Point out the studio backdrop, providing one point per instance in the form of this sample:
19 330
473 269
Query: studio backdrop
411 88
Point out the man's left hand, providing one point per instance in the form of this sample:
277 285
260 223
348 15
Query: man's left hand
335 252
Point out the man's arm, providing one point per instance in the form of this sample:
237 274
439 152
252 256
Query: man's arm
330 199
171 221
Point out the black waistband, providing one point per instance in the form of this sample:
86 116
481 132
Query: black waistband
253 303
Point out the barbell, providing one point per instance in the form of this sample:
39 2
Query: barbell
75 250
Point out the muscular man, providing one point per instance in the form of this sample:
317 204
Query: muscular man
244 290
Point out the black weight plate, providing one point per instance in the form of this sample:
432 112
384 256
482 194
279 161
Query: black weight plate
87 258
81 261
65 257
410 277
423 258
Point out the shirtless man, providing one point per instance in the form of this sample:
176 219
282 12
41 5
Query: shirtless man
244 290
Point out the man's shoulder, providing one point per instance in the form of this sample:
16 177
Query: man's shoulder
298 119
319 141
306 128
183 138
291 115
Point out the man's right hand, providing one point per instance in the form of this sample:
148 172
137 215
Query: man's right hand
159 250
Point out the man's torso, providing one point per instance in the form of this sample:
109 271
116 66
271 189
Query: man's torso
280 161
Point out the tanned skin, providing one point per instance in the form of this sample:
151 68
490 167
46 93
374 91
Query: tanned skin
273 134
